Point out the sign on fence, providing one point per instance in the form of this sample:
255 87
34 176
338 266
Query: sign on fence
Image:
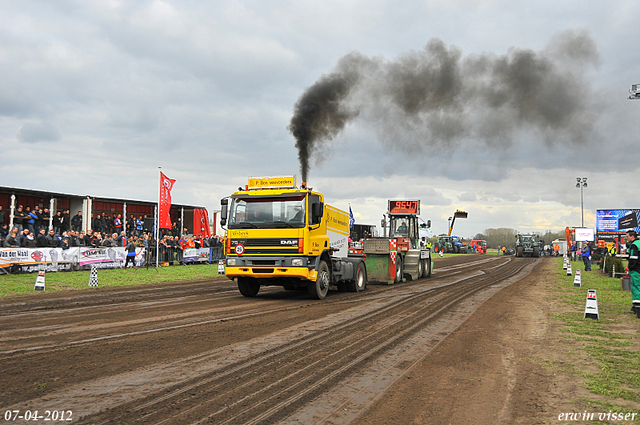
28 260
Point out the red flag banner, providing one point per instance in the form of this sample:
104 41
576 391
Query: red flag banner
201 222
164 218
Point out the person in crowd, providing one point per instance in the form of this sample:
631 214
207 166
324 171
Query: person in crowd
138 242
66 223
53 239
1 216
97 224
87 238
18 218
96 239
117 224
57 222
23 236
122 239
131 225
4 231
179 243
108 241
80 239
46 216
586 256
41 239
76 222
73 240
139 225
64 241
30 220
103 224
39 220
29 240
12 241
633 249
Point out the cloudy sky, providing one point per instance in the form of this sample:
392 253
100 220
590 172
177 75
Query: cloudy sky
493 107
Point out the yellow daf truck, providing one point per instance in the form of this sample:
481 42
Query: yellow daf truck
279 234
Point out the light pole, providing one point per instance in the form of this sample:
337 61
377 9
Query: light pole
582 183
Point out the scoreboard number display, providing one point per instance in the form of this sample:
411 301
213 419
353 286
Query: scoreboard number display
404 207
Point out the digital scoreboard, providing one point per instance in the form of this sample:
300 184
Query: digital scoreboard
404 207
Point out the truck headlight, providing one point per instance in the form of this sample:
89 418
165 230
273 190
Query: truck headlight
296 262
231 261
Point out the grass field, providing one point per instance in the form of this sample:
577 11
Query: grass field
24 283
605 352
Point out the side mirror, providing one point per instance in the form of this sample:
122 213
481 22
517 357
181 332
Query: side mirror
224 203
317 211
428 223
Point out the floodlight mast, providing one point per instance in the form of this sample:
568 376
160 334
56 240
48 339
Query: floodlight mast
582 183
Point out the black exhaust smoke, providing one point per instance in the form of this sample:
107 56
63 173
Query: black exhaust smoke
437 97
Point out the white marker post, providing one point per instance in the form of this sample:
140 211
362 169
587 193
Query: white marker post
577 281
39 286
569 272
591 308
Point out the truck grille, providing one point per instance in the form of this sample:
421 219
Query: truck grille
376 246
267 246
262 270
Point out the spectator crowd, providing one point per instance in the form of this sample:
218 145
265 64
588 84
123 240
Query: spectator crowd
32 229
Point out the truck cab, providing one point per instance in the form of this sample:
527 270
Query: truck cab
279 234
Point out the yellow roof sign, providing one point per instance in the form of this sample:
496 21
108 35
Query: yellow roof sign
288 182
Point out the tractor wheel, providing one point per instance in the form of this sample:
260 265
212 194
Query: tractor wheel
318 289
360 283
420 269
248 287
398 277
428 267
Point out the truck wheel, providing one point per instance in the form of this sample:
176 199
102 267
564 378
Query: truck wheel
320 287
360 283
248 287
398 277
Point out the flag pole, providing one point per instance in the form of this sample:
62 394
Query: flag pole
158 216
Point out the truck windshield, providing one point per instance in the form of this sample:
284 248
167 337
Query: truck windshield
253 212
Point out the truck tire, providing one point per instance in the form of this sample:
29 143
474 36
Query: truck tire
428 268
399 273
318 289
360 282
420 271
248 287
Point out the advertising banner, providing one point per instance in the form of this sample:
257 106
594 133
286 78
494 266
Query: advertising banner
617 221
29 260
585 234
193 255
166 184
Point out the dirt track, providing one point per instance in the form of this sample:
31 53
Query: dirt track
202 353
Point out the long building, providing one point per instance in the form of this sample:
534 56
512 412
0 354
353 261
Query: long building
195 219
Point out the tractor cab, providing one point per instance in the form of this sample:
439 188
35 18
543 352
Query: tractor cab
406 227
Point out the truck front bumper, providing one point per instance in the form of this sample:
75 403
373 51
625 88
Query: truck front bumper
261 268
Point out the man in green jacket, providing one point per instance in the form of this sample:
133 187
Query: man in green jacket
633 249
